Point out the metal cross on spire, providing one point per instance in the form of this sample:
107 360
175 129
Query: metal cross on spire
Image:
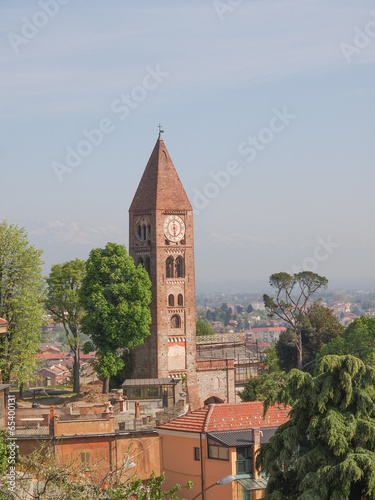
160 131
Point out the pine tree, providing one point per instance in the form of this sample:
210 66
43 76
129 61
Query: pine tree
293 294
326 450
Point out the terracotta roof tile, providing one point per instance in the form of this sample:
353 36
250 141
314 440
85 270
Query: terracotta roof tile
226 417
62 355
160 187
3 322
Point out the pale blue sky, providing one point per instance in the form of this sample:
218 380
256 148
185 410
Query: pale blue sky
220 79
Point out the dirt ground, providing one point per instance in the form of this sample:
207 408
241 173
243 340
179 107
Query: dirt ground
90 394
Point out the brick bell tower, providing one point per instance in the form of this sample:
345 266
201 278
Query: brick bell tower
161 238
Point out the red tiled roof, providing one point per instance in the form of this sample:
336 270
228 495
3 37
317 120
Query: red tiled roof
230 416
269 329
62 355
3 322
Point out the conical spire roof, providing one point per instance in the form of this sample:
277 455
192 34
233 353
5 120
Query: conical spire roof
160 186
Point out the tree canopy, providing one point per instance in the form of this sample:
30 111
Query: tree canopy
326 450
204 327
293 294
116 297
63 302
21 302
358 339
318 326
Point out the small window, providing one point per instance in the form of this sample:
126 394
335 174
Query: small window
245 460
176 321
135 392
169 267
152 392
140 261
196 454
217 450
171 300
180 268
180 299
85 459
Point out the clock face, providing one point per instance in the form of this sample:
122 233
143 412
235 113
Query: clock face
174 228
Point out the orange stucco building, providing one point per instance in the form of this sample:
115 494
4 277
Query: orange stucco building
213 442
96 441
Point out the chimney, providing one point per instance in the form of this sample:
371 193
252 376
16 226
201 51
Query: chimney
256 436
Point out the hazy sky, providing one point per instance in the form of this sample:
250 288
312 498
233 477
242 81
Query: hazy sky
268 110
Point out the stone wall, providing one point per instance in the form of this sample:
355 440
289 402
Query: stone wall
216 379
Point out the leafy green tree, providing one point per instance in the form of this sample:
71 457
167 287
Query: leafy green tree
204 327
286 349
270 360
63 302
116 297
269 380
358 339
326 450
5 456
21 303
263 387
250 308
318 327
228 317
209 315
224 307
291 301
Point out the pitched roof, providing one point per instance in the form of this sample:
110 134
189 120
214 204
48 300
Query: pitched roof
62 355
269 329
3 322
229 416
160 186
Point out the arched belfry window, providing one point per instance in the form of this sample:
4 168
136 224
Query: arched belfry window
140 261
176 321
180 267
171 300
180 299
169 267
143 228
147 264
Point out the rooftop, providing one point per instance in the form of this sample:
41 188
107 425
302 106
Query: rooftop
227 417
136 382
160 186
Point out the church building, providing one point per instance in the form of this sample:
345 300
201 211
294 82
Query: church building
161 238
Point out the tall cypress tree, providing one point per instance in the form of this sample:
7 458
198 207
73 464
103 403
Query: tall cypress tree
326 450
